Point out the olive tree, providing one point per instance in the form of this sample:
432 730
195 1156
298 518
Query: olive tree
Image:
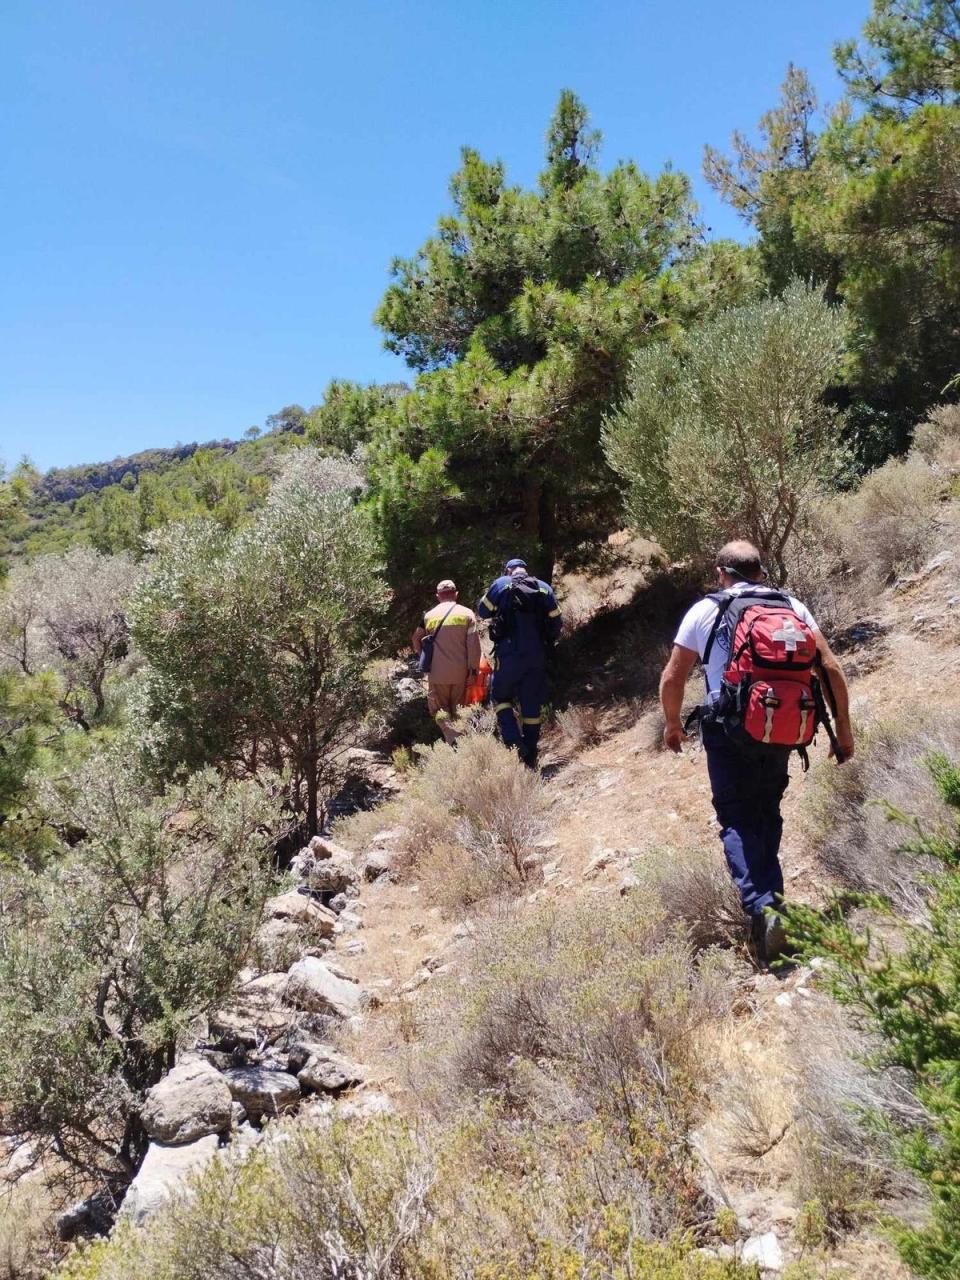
67 614
730 433
257 641
111 951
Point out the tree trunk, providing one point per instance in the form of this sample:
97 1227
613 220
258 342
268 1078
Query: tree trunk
547 532
311 777
532 490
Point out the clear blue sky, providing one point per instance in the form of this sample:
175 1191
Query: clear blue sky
201 198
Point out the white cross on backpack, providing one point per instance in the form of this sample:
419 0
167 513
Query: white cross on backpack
790 635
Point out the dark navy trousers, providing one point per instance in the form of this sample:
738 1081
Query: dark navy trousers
748 785
519 679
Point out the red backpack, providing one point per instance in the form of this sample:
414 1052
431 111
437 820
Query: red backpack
769 693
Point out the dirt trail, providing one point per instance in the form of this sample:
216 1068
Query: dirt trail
616 804
626 800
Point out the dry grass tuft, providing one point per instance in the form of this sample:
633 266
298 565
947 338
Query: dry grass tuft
692 887
589 1002
581 726
28 1235
938 439
469 819
847 1116
859 843
888 527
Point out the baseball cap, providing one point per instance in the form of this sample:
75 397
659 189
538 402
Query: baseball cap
515 564
447 585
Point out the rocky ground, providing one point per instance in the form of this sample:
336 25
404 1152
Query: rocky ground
319 1021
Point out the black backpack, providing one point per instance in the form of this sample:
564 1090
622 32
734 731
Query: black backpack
522 597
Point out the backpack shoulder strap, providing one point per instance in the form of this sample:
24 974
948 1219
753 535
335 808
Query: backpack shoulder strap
723 601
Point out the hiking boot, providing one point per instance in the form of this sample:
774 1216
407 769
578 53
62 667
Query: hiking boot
769 936
528 757
775 936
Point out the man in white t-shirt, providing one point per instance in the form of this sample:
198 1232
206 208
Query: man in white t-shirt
747 784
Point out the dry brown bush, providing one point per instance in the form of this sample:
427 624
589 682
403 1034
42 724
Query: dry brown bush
601 998
938 439
857 841
817 574
28 1236
469 819
888 526
847 1114
582 1015
581 726
853 544
692 887
753 1117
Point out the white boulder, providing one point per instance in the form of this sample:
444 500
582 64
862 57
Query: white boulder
162 1175
190 1102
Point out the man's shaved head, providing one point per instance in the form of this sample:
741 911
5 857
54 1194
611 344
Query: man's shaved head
740 559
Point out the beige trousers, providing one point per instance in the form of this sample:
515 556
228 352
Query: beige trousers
443 702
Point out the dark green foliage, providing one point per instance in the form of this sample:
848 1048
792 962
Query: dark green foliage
910 995
911 56
257 639
346 417
29 717
109 953
522 311
868 207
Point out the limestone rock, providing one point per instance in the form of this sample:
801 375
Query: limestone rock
327 1071
325 867
277 942
599 862
190 1102
163 1173
765 1251
372 767
258 1016
302 909
364 1105
315 987
301 1046
380 862
417 980
263 1093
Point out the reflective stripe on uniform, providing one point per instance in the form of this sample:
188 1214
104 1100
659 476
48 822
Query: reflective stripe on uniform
488 603
503 706
533 719
459 620
554 613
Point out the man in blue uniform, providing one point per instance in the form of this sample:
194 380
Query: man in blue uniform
525 624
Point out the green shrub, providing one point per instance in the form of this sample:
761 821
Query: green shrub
742 396
910 996
380 1199
111 951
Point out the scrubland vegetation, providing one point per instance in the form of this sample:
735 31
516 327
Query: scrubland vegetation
191 641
